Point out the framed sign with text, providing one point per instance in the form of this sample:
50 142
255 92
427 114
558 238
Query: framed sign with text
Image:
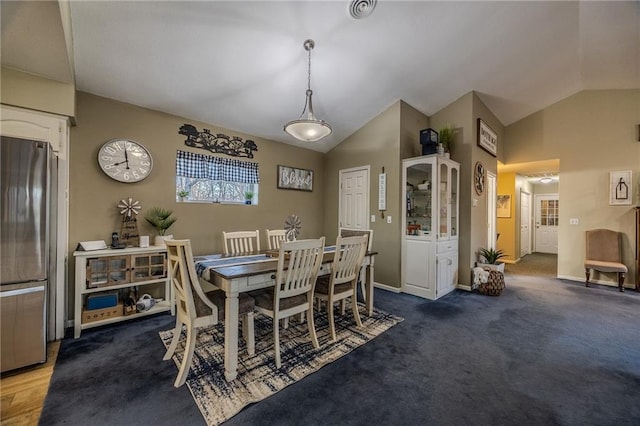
294 178
487 138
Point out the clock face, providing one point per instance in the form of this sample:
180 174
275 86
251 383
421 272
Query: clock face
125 160
478 178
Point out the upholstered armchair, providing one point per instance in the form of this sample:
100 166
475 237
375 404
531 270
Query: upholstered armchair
604 254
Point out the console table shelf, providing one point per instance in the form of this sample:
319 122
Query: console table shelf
108 271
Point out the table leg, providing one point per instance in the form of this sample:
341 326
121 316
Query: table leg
231 336
369 298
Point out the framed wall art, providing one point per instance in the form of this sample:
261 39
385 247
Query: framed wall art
487 138
620 192
503 206
294 178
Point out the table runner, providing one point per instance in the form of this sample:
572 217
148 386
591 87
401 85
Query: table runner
212 261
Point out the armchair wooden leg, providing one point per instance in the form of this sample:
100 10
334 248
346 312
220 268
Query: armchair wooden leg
587 273
621 281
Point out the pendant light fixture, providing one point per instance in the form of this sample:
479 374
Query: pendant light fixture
308 128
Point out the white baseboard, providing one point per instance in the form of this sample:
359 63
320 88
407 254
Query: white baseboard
387 287
463 287
600 282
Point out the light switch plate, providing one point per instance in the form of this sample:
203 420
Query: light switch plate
388 219
373 218
574 221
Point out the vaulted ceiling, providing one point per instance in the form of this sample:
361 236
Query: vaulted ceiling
241 65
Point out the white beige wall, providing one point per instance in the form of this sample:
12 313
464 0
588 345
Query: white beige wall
376 144
592 133
32 92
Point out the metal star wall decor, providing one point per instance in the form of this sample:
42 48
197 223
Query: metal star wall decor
292 225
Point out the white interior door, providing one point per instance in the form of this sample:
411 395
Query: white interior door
354 198
525 220
547 214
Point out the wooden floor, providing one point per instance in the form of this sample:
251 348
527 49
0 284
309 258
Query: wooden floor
23 391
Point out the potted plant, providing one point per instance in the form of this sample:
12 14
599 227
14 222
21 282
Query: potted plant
446 135
248 196
183 194
162 220
488 258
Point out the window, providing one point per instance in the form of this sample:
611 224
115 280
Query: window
205 178
549 212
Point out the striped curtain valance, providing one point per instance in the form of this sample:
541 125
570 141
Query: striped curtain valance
199 166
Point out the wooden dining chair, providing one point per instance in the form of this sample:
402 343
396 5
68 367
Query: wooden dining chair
298 266
352 232
196 309
241 242
275 237
341 283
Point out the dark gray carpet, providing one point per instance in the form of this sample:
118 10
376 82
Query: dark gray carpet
545 352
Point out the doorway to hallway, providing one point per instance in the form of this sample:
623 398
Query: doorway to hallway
535 264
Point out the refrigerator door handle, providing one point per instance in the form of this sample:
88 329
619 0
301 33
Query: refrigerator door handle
19 292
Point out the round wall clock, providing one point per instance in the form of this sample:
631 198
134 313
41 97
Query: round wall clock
125 160
478 178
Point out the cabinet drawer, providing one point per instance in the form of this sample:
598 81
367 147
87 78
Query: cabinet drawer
445 246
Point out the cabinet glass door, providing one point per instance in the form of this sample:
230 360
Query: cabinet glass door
443 201
419 199
448 200
455 185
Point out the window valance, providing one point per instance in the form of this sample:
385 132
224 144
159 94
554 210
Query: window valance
199 166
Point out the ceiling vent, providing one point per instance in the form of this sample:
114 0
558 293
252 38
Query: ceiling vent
359 9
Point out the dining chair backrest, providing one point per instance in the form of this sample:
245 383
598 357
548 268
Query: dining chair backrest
302 260
351 232
348 258
185 280
241 241
275 237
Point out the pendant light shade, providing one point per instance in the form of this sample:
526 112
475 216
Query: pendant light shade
308 128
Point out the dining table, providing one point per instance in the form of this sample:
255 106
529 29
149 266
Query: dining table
238 273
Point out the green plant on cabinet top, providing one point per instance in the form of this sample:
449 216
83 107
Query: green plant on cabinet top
160 219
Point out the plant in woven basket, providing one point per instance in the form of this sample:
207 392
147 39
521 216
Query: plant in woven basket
491 256
160 219
489 259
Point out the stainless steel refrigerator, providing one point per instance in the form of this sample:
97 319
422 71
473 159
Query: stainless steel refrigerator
24 246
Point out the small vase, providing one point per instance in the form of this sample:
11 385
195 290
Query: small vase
159 240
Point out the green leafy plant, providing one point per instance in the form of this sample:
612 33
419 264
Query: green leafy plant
183 194
248 195
160 219
491 256
445 136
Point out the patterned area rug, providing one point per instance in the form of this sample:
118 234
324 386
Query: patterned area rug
258 376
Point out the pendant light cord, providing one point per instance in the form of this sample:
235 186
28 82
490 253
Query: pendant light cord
306 98
309 72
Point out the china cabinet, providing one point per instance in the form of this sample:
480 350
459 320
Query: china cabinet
430 226
110 274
